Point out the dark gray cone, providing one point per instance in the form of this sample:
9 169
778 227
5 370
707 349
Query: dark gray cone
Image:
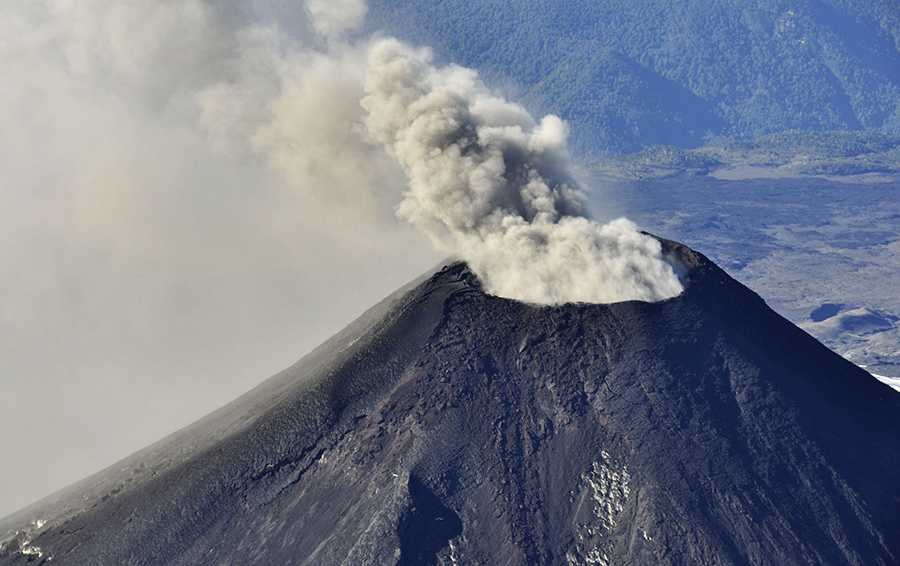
447 426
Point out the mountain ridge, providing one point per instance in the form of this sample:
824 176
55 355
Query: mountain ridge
728 70
704 428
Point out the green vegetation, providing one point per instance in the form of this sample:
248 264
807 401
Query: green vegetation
630 75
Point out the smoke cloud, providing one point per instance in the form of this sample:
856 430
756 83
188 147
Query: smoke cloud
192 199
488 182
186 209
332 18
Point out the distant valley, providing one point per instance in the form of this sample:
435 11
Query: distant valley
822 250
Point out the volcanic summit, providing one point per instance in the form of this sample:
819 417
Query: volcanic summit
449 426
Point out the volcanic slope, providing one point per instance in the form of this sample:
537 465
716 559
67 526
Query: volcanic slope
447 426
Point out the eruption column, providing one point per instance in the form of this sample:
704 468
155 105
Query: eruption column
489 183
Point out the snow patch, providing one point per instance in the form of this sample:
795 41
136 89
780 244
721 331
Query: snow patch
20 543
892 381
605 490
30 550
609 489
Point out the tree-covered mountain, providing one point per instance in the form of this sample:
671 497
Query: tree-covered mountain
629 75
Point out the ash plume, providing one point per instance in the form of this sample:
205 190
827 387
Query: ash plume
185 176
331 18
489 183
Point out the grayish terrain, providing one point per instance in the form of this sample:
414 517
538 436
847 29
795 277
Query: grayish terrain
822 251
447 426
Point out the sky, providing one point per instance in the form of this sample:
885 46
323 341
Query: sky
197 193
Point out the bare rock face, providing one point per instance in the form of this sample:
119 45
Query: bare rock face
447 426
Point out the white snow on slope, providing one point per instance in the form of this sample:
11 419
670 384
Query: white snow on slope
892 381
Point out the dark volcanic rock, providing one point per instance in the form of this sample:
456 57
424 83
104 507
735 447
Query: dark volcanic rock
448 426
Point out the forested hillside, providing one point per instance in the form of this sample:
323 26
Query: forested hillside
629 75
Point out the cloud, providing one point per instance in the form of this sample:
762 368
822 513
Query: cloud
186 210
331 18
488 182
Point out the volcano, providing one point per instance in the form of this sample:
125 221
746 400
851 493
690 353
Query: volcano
449 426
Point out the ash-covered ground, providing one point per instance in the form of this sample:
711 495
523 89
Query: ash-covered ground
822 251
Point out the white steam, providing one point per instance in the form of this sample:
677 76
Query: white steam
487 182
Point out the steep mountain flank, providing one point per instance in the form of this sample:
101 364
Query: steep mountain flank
449 426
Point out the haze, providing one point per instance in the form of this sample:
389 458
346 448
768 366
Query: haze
184 212
197 196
